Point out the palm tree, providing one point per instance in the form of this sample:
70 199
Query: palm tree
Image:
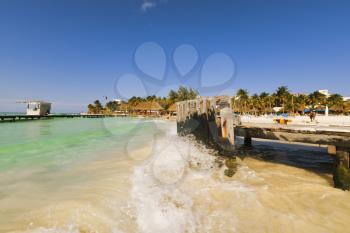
282 94
111 106
172 96
265 102
91 109
98 106
185 93
133 101
336 103
316 98
347 107
300 103
242 98
255 104
151 98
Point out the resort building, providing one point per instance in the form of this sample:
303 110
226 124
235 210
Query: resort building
325 92
328 94
118 101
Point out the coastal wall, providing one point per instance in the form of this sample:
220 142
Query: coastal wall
211 121
201 118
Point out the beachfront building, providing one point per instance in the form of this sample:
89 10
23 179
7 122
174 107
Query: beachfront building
118 101
325 92
149 108
328 94
333 109
38 108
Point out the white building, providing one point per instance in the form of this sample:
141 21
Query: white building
37 107
118 101
327 94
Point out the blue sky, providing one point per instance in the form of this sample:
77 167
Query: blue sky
73 52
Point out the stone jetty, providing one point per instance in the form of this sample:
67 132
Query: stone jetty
211 120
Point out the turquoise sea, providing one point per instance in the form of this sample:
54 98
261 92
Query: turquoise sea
46 162
56 143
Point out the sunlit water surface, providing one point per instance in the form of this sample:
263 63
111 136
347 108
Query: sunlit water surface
134 175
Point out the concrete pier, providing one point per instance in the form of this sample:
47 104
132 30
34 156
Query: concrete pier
211 120
202 119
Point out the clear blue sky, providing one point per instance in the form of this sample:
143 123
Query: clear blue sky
71 52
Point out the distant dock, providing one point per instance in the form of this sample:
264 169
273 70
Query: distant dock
19 117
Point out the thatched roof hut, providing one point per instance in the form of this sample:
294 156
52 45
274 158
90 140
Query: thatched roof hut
347 106
337 108
172 108
148 106
125 107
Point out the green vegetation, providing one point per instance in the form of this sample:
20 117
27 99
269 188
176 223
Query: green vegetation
183 93
258 104
341 177
242 102
231 165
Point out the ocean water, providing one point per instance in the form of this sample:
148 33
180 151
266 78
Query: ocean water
137 175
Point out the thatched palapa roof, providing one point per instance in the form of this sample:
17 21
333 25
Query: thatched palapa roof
148 106
172 108
125 107
337 108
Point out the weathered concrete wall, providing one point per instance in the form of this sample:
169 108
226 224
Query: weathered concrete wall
227 125
211 121
201 118
341 172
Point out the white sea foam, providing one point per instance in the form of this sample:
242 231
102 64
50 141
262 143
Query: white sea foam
166 186
160 205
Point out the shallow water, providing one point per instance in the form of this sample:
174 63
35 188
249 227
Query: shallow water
133 175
